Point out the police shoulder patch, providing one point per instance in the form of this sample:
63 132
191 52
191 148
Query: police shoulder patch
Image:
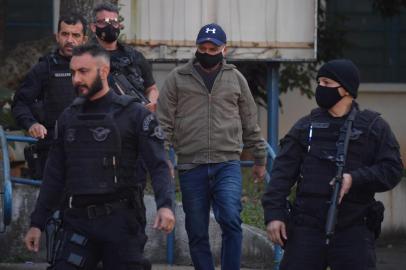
158 133
147 122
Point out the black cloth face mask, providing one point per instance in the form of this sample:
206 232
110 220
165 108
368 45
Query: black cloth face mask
108 33
207 60
327 97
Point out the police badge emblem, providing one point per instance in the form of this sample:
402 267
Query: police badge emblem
100 134
158 133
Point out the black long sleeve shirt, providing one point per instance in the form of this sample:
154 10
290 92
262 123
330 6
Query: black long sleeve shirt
32 90
131 123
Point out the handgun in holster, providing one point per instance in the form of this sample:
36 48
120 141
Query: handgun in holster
375 217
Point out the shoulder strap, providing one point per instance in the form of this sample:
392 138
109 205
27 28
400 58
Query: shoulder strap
344 138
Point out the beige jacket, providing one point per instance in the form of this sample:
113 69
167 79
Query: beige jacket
208 127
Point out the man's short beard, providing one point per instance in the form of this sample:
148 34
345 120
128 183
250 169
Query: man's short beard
94 88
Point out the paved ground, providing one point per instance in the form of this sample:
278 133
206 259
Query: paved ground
391 255
41 266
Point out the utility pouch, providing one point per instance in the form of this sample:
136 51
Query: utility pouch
76 259
375 217
78 239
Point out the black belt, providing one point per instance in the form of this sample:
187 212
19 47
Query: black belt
97 210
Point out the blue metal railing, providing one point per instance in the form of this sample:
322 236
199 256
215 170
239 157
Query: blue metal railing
6 180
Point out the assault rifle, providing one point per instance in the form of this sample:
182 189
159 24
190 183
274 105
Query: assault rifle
121 83
342 148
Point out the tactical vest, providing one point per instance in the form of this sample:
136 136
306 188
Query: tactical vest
59 92
319 163
126 66
98 159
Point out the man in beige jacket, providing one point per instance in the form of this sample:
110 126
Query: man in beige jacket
208 114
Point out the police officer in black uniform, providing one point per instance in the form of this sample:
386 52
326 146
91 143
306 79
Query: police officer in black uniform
92 162
130 73
308 158
47 89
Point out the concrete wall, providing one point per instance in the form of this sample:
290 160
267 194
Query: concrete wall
395 202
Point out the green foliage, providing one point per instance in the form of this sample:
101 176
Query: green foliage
252 213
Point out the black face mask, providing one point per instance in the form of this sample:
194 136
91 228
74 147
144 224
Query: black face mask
108 33
207 60
327 97
95 87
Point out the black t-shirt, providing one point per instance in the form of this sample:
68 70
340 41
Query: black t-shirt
208 77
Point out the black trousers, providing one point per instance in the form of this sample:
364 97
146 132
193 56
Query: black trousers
117 240
352 248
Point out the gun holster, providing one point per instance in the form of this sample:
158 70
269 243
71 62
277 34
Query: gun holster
53 236
375 217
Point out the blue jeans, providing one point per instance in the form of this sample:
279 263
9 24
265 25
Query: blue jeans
218 185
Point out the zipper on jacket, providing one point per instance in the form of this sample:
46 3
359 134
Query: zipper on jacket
115 169
208 150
